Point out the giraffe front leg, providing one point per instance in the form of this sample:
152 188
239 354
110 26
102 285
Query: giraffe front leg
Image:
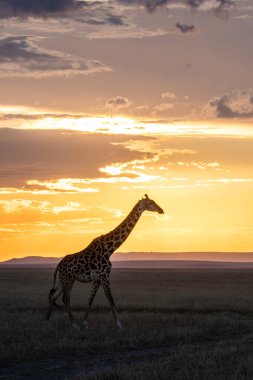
95 287
108 293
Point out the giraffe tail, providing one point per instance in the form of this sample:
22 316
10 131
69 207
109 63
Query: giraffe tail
53 290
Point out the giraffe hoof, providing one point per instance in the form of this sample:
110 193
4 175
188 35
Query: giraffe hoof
119 325
85 324
75 326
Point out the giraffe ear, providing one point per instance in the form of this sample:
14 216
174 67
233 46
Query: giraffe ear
146 196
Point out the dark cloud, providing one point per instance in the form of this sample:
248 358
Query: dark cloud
222 109
238 104
99 16
37 8
85 12
115 19
185 28
220 9
71 8
47 154
117 102
20 56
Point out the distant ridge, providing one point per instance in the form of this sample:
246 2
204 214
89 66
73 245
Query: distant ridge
31 260
181 264
153 260
188 256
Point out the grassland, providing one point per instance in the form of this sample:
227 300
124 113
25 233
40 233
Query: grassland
178 324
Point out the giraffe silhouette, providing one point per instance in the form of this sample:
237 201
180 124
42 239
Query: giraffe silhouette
92 264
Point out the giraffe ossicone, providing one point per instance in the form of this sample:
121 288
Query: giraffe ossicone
92 264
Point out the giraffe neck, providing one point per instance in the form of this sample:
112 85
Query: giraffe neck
116 237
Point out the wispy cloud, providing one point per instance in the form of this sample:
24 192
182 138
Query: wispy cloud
225 181
66 185
198 165
163 107
18 205
125 32
20 56
168 95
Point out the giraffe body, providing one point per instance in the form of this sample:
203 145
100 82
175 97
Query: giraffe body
92 264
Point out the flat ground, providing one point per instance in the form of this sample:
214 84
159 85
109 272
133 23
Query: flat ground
178 324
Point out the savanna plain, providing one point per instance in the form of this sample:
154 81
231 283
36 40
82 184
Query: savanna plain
178 324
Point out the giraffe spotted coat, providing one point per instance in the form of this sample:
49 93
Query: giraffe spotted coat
92 264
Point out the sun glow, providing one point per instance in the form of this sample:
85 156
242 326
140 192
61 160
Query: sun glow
103 124
41 119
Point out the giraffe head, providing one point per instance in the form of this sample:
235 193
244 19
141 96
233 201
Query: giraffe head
150 205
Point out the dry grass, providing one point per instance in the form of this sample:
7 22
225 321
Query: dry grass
178 324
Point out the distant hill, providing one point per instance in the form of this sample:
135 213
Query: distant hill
153 260
181 264
31 260
186 256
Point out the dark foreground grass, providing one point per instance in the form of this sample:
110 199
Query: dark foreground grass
178 324
229 364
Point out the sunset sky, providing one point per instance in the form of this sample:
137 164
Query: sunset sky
104 101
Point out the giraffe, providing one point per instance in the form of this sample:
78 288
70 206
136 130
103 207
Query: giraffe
92 264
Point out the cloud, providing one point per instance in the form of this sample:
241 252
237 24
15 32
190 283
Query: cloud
79 185
89 11
115 19
163 107
185 28
117 102
219 7
6 115
198 165
140 110
18 205
237 104
37 8
86 12
66 185
222 9
168 95
127 31
43 155
15 205
20 56
133 171
225 181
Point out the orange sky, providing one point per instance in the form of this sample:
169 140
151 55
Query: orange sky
100 106
65 188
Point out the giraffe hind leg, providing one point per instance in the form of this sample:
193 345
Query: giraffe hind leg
67 287
53 295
